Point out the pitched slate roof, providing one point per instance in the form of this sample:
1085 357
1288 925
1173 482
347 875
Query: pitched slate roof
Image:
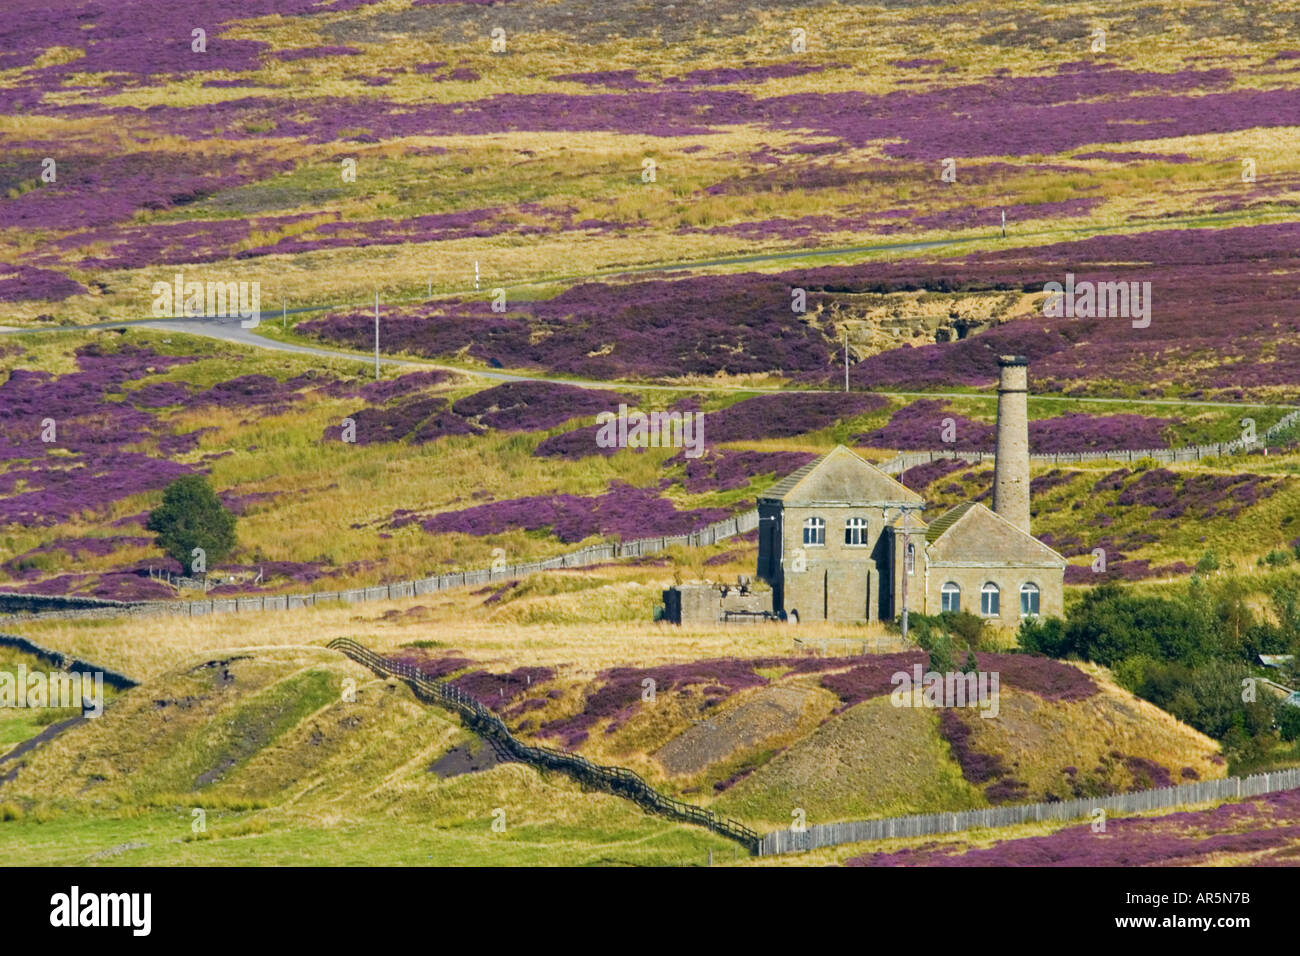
783 487
840 475
970 532
946 520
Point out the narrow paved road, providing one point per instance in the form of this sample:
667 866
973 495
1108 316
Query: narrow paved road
229 330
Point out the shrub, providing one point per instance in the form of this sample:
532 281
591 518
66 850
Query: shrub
1043 635
1288 720
1209 562
191 516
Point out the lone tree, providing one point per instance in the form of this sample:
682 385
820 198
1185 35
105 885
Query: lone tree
191 516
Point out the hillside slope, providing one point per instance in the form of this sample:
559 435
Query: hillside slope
288 771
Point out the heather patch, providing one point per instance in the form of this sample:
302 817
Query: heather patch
624 511
126 586
614 79
418 420
869 679
575 445
617 694
1045 678
535 406
1267 826
786 415
1197 495
96 190
403 385
499 690
728 324
739 324
64 550
924 423
24 283
432 666
976 767
920 477
730 470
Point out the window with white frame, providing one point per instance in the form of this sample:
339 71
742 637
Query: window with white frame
1028 598
910 560
855 531
989 600
950 597
814 531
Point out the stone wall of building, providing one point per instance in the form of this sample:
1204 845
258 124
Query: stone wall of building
971 580
839 582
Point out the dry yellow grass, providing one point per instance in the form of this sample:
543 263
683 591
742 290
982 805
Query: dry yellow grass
144 646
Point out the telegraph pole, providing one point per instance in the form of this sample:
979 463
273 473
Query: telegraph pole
907 541
846 356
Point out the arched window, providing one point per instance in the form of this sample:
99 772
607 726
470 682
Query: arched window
1028 599
855 531
814 531
950 596
989 600
910 560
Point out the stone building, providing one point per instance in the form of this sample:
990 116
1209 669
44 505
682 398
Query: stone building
821 539
839 540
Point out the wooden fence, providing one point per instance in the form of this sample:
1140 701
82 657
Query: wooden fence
1163 455
595 554
616 780
1188 794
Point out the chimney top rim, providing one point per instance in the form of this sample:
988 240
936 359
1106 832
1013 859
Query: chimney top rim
1012 360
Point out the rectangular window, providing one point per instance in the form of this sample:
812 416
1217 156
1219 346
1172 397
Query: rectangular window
855 531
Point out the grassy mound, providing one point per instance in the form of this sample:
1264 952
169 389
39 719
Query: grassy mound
286 769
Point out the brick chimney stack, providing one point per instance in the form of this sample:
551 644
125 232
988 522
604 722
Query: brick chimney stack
1011 467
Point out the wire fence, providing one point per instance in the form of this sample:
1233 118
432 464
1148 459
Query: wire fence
616 780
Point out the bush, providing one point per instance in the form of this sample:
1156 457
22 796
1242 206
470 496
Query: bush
1276 558
964 625
191 516
1043 635
1132 672
1110 625
1288 720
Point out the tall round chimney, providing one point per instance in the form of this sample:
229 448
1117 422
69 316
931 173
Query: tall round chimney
1011 467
